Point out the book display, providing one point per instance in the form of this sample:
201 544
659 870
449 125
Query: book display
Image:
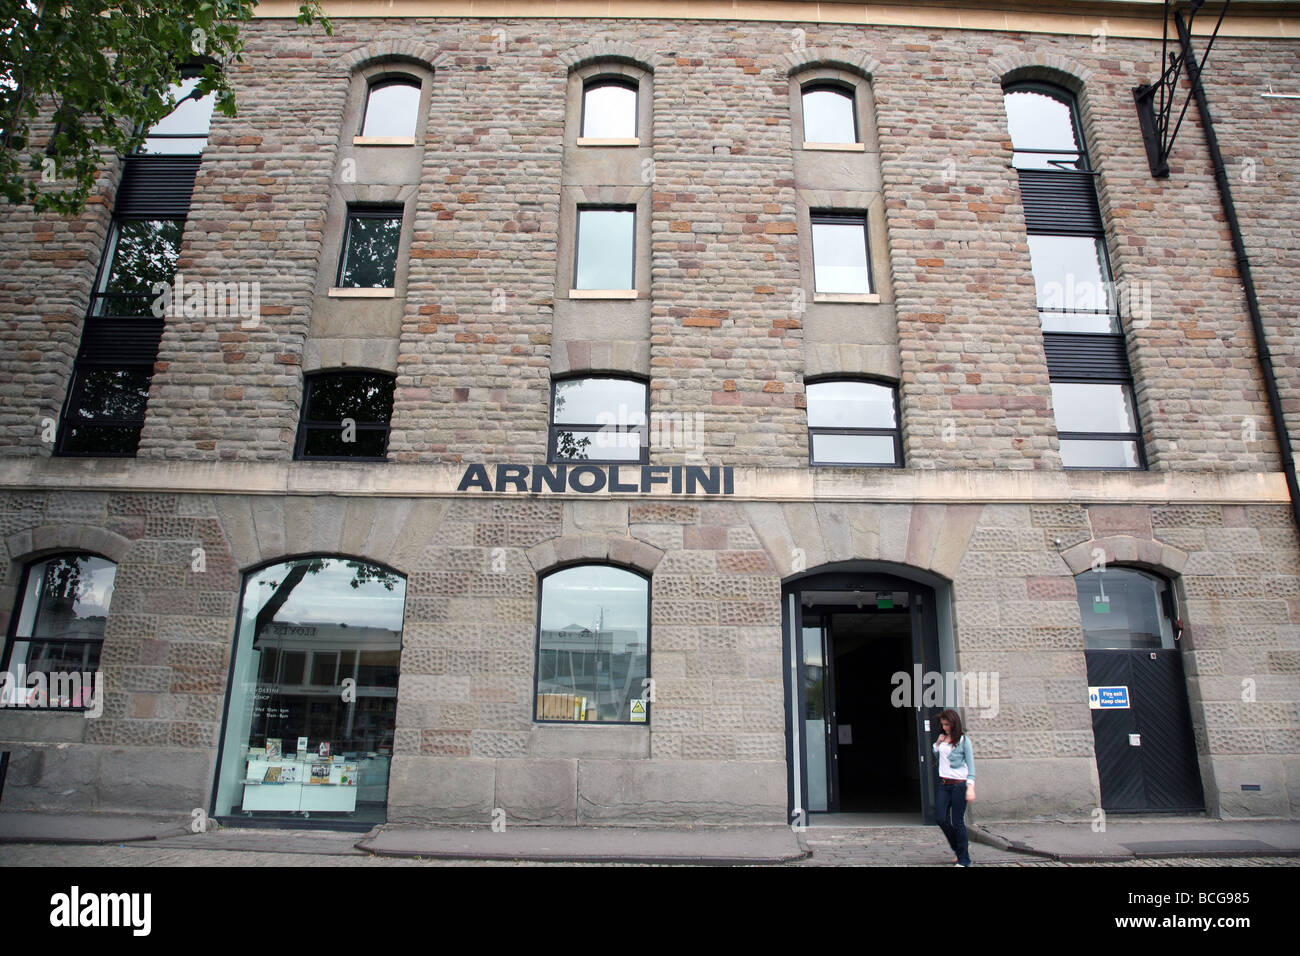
305 782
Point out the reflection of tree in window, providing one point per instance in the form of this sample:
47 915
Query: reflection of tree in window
108 411
370 259
145 252
366 399
568 444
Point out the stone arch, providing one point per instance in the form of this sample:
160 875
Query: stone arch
601 548
833 57
1041 65
607 51
1126 550
392 51
47 539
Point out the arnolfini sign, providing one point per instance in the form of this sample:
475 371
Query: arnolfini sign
590 479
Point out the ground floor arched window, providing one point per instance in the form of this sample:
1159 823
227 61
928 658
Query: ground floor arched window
312 704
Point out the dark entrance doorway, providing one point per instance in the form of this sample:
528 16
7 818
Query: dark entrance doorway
856 743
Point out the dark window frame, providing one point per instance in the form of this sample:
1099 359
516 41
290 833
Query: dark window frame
537 642
1071 102
392 79
841 217
104 273
610 79
896 432
554 429
1169 607
577 239
11 635
306 425
821 84
357 211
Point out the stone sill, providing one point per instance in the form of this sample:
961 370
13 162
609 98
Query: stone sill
383 140
851 298
597 141
362 293
837 147
603 294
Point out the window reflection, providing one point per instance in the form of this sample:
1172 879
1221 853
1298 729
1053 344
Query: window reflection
346 415
141 252
593 646
1042 131
840 255
598 419
609 110
392 109
605 249
853 423
1122 608
313 702
369 258
183 131
828 116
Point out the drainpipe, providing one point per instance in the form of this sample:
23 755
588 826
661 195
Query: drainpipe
1243 269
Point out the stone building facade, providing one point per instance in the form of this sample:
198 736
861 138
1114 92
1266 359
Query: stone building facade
982 521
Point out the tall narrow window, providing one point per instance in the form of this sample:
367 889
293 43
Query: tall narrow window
609 108
58 628
369 256
599 420
345 415
605 249
1092 384
829 115
593 646
853 423
840 260
392 109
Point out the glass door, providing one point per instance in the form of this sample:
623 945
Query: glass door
818 712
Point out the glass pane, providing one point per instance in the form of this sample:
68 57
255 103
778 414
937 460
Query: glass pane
854 449
605 249
593 635
1070 274
840 257
143 252
609 112
815 742
1121 608
599 401
184 129
59 630
850 405
828 117
370 256
392 110
363 398
111 394
296 745
1038 121
606 444
1093 407
333 443
1080 453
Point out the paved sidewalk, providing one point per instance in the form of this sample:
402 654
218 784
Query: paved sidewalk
1148 837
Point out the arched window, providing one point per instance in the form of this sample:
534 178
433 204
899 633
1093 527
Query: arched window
57 631
392 108
593 645
1078 308
599 419
1124 608
345 415
312 706
829 114
853 423
609 107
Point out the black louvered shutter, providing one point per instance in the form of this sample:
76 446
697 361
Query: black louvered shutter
1060 202
156 187
1082 357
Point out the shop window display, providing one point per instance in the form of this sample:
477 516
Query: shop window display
313 696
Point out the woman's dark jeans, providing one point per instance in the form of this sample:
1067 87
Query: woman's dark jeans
950 808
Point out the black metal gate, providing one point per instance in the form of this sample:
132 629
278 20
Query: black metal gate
1146 754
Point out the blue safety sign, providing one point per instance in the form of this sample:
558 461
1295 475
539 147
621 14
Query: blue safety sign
1108 698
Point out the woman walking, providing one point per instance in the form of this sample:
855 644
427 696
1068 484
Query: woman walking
956 784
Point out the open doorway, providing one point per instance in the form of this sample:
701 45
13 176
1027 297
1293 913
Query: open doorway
855 745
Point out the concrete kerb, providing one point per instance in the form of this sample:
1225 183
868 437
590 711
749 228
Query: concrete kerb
1160 838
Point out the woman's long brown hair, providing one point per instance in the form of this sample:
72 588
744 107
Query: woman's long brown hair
954 721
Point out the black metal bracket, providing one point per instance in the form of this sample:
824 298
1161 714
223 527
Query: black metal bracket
1155 101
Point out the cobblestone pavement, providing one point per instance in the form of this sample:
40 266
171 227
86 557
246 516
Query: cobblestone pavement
831 846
